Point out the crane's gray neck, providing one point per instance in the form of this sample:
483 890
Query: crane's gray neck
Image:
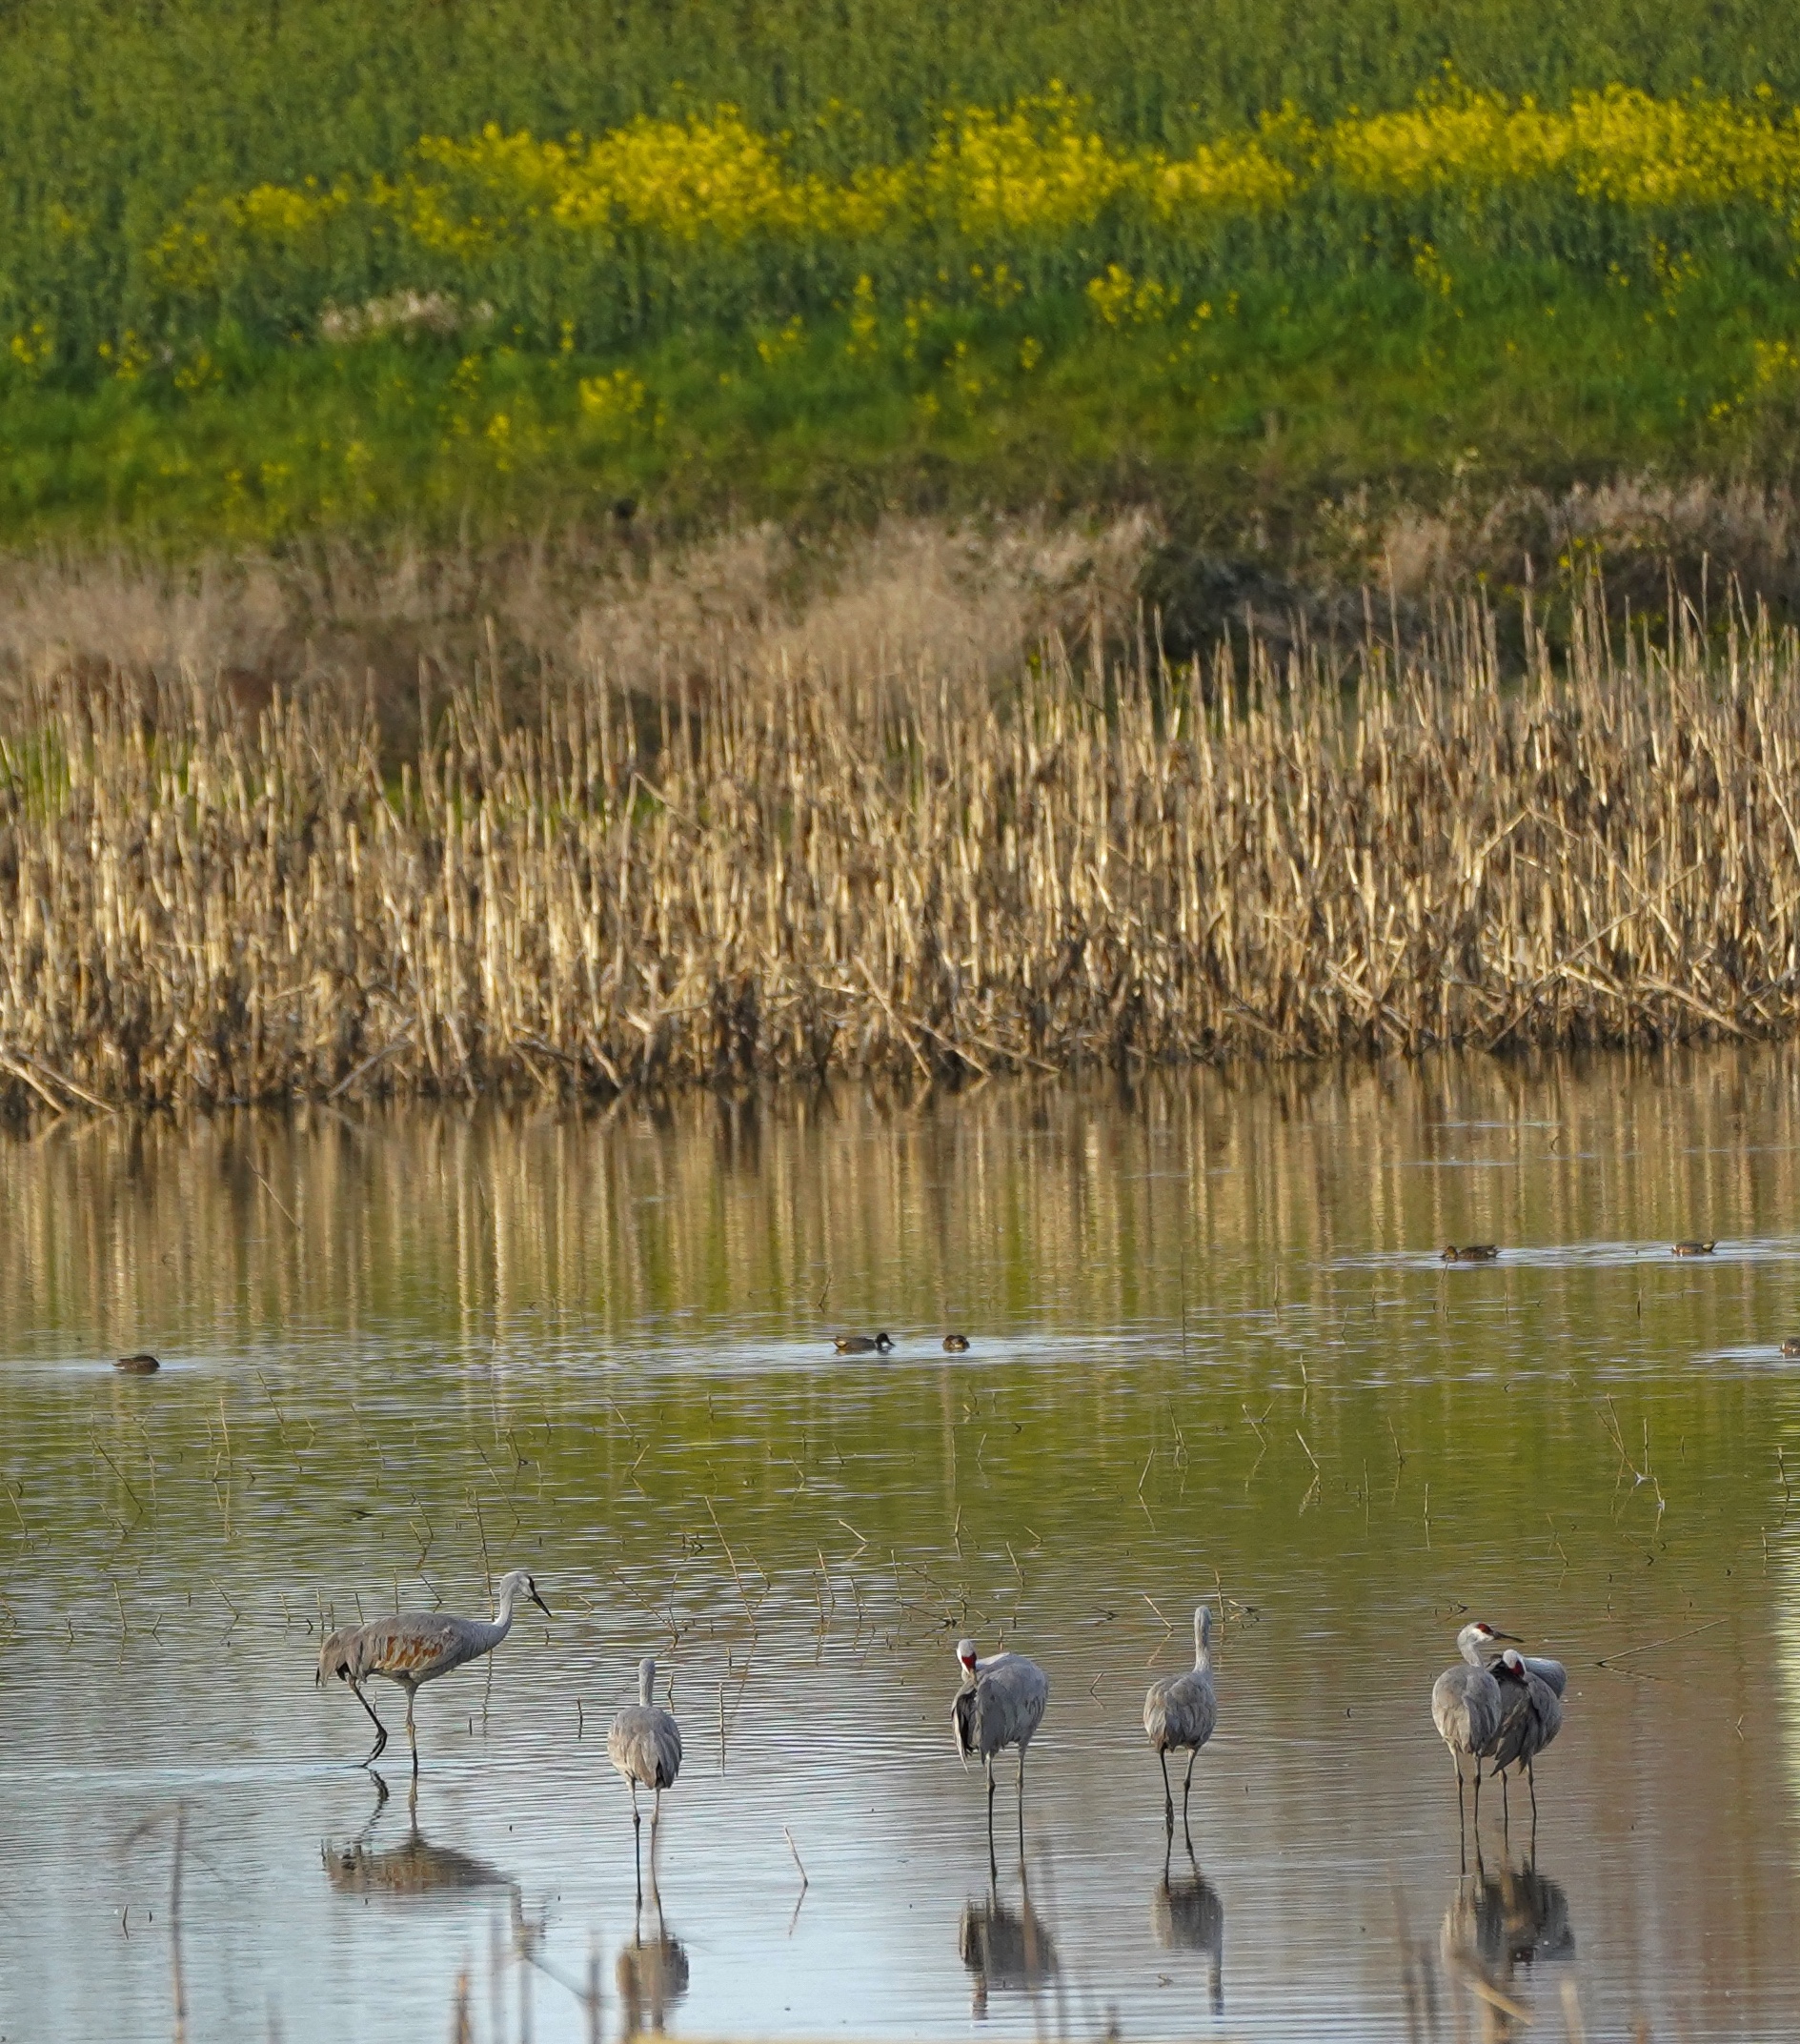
1469 1644
503 1610
1202 1639
646 1680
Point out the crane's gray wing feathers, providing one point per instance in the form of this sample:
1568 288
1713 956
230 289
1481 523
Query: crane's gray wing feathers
1551 1673
417 1646
644 1744
1180 1711
962 1722
1544 1718
1465 1707
1509 1735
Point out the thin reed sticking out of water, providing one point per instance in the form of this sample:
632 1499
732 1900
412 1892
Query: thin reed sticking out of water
780 874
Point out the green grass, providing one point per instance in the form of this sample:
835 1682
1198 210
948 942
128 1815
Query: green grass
1300 394
1339 368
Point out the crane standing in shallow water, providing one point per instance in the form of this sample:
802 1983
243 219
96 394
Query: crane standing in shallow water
1180 1711
645 1746
413 1648
1465 1706
1530 1715
1001 1703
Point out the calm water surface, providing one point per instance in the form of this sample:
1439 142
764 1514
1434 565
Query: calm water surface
1214 1353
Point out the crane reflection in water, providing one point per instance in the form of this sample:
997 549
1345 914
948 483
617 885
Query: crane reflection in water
650 1974
414 1866
1188 1915
1006 1948
1498 1926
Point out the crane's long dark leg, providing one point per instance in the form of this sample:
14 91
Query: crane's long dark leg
1478 1798
411 1731
1168 1796
1187 1789
993 1864
1530 1775
1021 1805
382 1731
656 1829
1505 1809
1461 1814
636 1844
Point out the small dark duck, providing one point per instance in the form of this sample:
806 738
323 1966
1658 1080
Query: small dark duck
141 1364
1791 1345
1473 1252
860 1345
957 1344
1691 1248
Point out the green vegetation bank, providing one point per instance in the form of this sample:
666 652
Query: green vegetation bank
271 269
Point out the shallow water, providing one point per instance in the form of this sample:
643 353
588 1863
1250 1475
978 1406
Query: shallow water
1215 1352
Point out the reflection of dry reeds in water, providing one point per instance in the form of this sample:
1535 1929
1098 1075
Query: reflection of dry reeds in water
760 871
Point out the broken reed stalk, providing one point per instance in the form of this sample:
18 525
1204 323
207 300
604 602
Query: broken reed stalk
884 873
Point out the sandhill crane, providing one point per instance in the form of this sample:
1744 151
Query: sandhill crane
1547 1670
1180 1711
645 1746
419 1646
1465 1706
999 1704
1530 1715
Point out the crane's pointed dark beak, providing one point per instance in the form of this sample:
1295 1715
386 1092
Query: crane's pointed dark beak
540 1604
1513 1639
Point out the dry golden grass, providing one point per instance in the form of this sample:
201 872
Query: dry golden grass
772 869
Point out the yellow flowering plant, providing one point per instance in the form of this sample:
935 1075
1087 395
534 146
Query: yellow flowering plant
662 220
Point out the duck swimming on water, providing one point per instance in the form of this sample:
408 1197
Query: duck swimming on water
859 1345
1475 1252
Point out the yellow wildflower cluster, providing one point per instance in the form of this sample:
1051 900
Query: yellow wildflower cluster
1621 145
998 195
1035 169
681 181
1122 301
612 401
1039 169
